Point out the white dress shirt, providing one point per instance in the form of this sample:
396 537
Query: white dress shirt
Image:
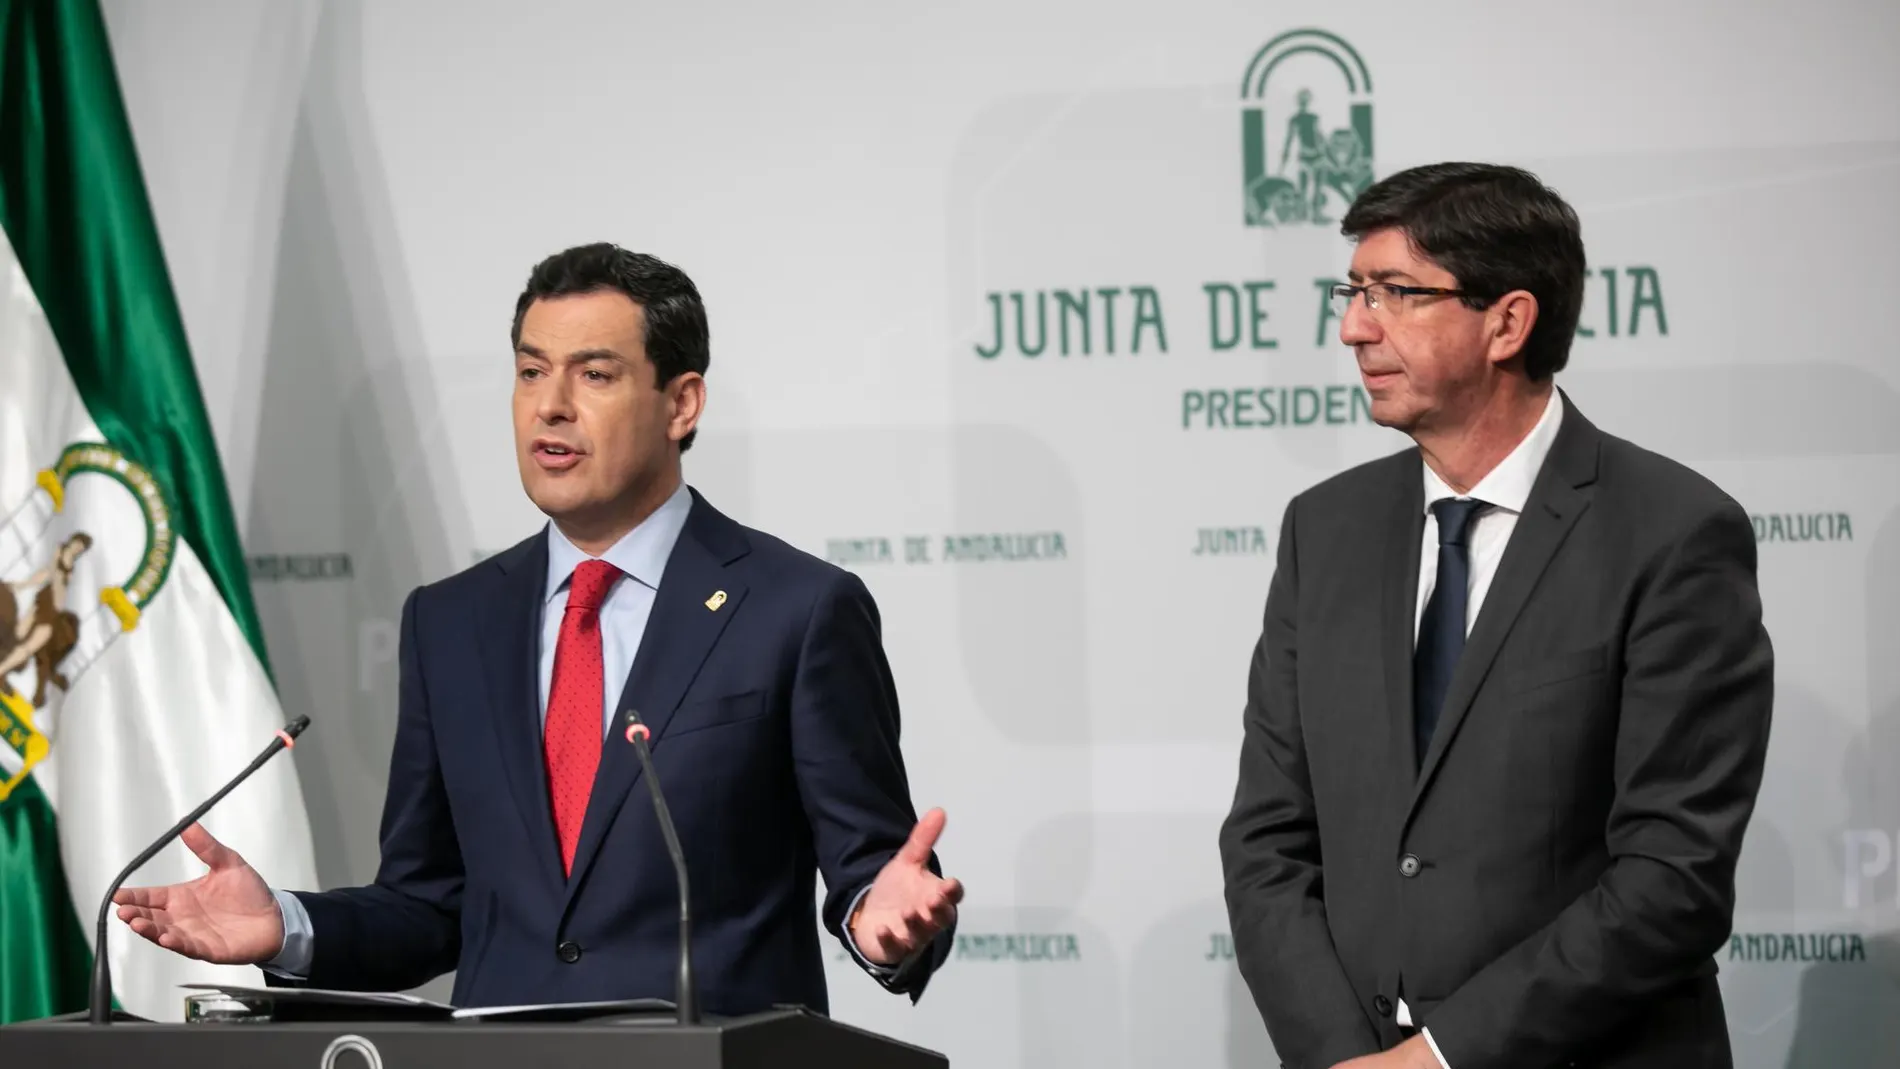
1504 490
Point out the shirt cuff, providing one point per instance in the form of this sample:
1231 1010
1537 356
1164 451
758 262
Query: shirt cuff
881 972
1436 1053
293 959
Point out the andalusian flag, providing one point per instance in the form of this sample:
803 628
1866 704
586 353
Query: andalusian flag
132 673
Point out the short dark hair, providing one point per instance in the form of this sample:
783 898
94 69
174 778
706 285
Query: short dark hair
1496 229
676 339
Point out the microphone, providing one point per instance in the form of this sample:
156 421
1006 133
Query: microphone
637 734
101 1007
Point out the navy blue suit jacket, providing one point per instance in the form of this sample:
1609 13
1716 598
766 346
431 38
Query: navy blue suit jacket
775 727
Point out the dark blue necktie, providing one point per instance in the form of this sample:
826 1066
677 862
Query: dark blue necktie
1441 631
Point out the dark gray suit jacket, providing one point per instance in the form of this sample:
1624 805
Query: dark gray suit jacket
1550 888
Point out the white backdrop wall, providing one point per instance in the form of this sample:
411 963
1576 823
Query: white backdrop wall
350 196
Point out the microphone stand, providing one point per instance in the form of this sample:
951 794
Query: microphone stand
683 997
100 1008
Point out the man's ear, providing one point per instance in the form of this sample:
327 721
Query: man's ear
685 401
1508 322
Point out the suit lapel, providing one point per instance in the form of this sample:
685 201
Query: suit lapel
511 647
680 632
1558 497
1404 528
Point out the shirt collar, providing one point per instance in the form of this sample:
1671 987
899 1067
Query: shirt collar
1508 486
641 553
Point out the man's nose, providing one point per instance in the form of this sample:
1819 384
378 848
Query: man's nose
1359 326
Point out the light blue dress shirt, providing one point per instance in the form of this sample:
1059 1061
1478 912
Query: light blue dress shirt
641 555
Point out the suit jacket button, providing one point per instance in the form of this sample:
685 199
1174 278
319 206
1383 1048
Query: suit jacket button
569 951
1383 1005
1409 866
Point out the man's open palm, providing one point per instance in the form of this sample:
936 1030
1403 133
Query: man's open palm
227 916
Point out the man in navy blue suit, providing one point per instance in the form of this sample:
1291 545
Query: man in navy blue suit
514 848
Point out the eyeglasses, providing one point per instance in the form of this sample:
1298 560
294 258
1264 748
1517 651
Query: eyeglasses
1386 297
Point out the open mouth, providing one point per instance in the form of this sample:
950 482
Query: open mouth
555 456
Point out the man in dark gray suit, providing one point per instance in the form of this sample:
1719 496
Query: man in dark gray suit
1508 715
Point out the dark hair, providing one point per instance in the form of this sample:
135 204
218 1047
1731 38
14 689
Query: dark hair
675 338
1496 229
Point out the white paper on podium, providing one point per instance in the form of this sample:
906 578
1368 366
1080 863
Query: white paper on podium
322 996
566 1011
553 1011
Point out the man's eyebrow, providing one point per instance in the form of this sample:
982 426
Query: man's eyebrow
1383 274
579 356
589 356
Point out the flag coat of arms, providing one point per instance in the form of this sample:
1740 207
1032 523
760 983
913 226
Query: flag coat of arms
133 678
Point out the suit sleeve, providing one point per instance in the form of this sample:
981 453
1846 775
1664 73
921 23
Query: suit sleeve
1270 855
404 929
849 768
1692 739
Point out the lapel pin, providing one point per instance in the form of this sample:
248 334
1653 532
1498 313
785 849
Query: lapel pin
718 599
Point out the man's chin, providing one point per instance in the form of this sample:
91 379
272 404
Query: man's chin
1390 412
558 502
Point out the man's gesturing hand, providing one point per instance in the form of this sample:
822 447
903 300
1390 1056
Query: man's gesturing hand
908 905
227 916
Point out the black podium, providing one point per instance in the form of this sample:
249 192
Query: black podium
783 1039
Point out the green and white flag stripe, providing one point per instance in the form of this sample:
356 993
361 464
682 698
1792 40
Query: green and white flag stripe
133 678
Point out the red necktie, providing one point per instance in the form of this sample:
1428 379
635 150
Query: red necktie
574 723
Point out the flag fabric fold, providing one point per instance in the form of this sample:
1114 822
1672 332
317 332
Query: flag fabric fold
133 676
